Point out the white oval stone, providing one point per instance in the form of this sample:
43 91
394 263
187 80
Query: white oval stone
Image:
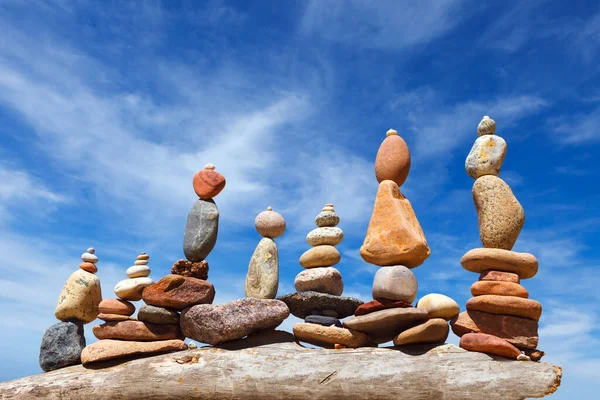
140 262
327 218
89 257
439 306
131 289
326 235
396 283
486 156
91 250
138 271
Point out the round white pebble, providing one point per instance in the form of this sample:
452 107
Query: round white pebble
89 257
138 271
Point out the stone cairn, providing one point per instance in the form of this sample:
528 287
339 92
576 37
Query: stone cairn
500 318
318 300
396 243
78 304
262 281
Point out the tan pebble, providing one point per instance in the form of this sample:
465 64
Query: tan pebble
143 256
270 224
140 262
487 126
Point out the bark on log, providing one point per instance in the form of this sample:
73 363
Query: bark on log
273 366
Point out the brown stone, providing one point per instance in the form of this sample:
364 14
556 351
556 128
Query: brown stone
381 304
382 326
89 267
320 256
521 332
499 276
498 288
394 236
178 292
329 336
535 354
108 349
490 344
506 305
434 330
208 183
116 306
270 224
501 216
136 331
393 159
480 260
198 270
115 317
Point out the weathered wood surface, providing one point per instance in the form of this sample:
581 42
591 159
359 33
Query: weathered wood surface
274 367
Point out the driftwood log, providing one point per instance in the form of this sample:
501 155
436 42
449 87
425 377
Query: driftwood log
273 366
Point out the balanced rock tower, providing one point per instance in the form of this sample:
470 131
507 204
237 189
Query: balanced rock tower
318 300
262 281
500 318
78 304
396 243
122 335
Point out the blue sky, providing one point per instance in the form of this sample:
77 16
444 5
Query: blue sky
107 110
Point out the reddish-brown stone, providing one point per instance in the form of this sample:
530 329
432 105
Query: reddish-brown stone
506 305
208 183
393 160
499 276
115 317
521 332
136 331
535 354
381 304
490 344
198 270
116 306
498 288
110 349
89 267
178 292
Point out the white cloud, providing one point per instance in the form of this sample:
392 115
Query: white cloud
576 130
382 24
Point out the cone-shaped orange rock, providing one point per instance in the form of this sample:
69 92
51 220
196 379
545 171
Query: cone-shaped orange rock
394 236
393 159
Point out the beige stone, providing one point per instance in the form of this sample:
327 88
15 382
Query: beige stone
79 298
270 224
433 331
321 280
439 306
109 349
500 214
262 280
396 283
320 256
394 236
131 289
328 336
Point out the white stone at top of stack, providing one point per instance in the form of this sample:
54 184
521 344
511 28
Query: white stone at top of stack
488 151
132 288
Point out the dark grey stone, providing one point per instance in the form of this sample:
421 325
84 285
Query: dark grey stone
158 315
302 304
201 230
62 345
323 320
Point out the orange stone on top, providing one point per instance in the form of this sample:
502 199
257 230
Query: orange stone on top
208 183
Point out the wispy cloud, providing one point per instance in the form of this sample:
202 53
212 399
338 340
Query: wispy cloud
576 130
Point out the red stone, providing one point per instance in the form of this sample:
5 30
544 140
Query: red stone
498 288
506 305
490 344
208 183
521 332
178 292
381 304
89 267
499 276
116 306
137 331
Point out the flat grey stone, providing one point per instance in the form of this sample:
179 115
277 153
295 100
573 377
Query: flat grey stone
158 315
323 320
302 304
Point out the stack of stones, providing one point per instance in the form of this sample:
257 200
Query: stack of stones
500 318
78 304
318 300
262 281
396 243
122 335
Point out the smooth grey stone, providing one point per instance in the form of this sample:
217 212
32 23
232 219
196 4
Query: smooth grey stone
201 230
396 283
158 315
62 345
303 304
323 320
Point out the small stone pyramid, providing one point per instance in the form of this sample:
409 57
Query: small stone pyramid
78 304
262 281
396 243
500 318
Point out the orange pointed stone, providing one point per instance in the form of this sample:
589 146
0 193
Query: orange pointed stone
394 236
